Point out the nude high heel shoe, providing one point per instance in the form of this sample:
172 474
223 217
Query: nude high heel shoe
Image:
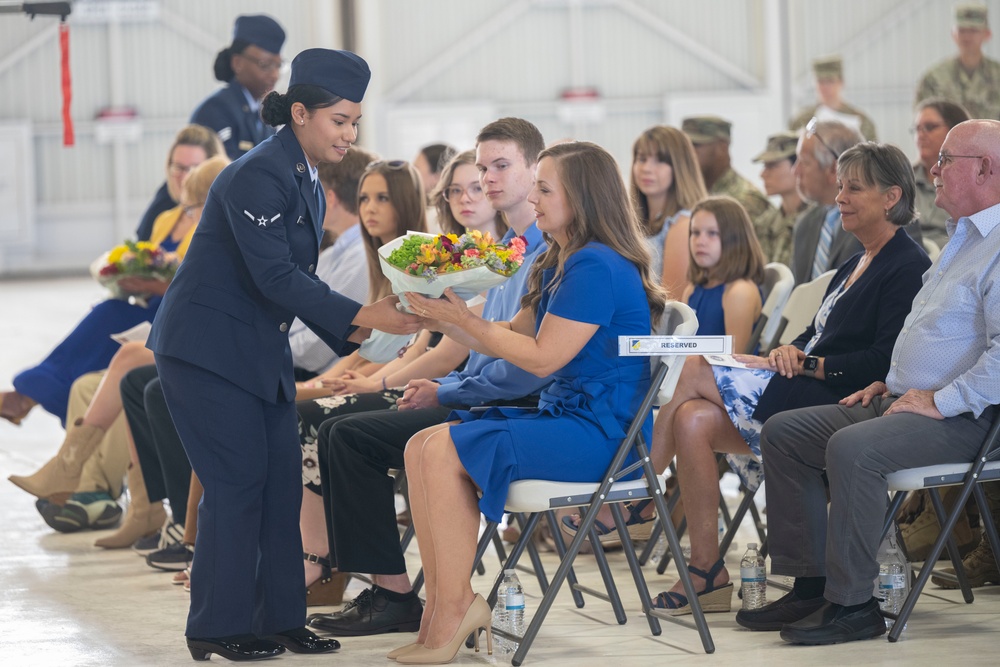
478 616
396 652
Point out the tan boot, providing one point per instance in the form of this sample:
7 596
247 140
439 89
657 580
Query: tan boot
62 472
143 518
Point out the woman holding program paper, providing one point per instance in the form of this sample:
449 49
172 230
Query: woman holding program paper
848 345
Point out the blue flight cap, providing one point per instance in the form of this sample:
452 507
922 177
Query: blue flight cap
260 30
340 73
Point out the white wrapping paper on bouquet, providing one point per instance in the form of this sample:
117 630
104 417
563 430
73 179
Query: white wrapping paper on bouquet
382 347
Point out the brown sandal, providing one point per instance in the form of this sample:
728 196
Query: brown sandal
328 590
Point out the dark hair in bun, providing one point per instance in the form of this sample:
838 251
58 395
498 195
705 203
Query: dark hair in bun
276 109
223 67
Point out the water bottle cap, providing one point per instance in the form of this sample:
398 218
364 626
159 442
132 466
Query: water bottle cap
751 545
510 572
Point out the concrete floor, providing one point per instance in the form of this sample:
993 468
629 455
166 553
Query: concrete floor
65 602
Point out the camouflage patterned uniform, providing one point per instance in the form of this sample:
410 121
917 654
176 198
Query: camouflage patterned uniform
743 191
774 231
978 92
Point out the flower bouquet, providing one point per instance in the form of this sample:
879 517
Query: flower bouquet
138 259
428 264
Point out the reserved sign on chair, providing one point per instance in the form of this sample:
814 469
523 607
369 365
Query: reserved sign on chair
651 346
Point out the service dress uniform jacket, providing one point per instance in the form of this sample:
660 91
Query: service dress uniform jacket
221 346
228 112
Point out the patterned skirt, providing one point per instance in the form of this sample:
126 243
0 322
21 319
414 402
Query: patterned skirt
741 389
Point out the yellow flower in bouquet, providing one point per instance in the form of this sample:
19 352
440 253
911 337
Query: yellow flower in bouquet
140 259
421 255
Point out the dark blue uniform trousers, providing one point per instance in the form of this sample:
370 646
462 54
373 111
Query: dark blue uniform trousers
247 574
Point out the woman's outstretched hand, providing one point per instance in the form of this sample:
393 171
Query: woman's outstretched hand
449 309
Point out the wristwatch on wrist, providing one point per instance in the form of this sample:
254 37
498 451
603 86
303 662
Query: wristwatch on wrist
810 364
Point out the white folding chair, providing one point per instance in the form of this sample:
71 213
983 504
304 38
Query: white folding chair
985 468
801 308
539 497
776 288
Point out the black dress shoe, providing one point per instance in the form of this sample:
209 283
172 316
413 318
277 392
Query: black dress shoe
241 647
371 613
301 640
774 616
833 624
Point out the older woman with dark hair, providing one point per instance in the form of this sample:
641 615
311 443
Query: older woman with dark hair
848 345
935 117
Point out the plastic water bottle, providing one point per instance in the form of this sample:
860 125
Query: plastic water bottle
893 585
501 645
659 549
514 605
753 578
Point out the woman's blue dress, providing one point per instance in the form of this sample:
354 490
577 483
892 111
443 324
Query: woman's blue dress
583 415
87 348
707 305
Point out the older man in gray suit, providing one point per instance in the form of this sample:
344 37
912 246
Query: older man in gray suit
819 242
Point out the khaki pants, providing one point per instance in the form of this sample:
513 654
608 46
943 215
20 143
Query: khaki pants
105 470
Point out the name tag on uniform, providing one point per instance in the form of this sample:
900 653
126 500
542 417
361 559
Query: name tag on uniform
245 145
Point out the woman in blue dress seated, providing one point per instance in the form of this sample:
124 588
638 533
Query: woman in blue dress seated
591 286
848 346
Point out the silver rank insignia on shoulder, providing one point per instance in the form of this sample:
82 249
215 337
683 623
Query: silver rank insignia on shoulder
301 168
225 134
262 221
300 221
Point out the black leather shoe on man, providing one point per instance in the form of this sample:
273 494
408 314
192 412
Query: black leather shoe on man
375 611
301 640
778 614
834 624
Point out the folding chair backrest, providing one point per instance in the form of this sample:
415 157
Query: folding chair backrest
777 286
678 319
801 308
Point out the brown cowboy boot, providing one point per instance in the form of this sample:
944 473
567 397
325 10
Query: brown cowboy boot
62 472
143 517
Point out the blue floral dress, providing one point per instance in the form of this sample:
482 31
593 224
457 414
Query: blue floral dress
741 389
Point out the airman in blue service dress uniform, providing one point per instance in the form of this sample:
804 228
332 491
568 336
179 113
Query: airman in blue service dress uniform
222 352
249 67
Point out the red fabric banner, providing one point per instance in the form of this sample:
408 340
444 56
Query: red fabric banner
67 85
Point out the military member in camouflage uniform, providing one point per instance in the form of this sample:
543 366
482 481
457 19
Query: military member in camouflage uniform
970 79
710 136
774 227
829 73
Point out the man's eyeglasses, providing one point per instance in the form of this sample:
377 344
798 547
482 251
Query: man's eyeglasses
944 159
454 193
811 129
